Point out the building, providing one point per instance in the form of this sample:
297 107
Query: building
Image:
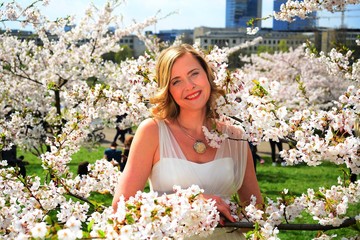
322 38
206 38
333 38
239 12
298 24
134 43
24 35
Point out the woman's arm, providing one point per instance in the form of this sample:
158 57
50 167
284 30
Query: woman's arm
250 185
140 161
248 188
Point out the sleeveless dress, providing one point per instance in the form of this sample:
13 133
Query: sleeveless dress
222 176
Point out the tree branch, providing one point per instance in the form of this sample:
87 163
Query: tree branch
294 226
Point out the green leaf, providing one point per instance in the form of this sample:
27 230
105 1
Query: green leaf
129 219
90 225
101 233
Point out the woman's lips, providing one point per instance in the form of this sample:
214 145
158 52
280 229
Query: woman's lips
193 96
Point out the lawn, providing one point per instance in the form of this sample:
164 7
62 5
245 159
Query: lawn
272 181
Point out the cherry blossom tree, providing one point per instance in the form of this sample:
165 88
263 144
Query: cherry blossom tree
48 84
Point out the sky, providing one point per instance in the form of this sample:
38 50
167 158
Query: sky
188 13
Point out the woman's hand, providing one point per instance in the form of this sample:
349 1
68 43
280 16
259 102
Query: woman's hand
222 207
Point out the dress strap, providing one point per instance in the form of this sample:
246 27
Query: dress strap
167 143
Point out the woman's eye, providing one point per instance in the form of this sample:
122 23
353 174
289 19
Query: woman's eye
194 73
174 82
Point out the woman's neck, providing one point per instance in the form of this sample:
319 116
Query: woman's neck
193 122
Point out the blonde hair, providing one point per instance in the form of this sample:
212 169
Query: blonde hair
165 105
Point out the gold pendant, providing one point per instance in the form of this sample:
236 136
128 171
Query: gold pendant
199 146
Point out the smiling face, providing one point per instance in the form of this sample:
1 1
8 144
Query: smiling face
189 85
187 66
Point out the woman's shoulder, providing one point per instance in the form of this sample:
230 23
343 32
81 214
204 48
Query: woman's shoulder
148 125
152 125
147 133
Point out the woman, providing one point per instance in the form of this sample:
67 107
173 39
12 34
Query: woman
171 149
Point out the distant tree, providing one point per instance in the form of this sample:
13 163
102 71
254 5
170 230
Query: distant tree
123 54
118 57
264 49
110 56
235 60
283 47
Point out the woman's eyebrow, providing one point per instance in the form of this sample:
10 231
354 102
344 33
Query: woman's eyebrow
192 70
174 78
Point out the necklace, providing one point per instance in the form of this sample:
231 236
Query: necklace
199 146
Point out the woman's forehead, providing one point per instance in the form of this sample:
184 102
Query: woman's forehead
185 63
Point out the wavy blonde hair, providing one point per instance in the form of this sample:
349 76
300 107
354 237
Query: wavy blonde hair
165 105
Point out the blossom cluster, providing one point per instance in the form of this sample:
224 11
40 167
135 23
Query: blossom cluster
301 9
328 207
268 101
182 214
214 138
15 12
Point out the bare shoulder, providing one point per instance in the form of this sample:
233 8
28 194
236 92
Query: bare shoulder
149 125
148 130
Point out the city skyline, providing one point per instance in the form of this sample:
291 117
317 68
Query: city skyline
190 14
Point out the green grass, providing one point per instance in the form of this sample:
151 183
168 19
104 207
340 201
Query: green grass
85 154
272 181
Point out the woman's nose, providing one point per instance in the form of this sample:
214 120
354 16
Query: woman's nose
190 84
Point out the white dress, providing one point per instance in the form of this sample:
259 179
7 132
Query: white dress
222 176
